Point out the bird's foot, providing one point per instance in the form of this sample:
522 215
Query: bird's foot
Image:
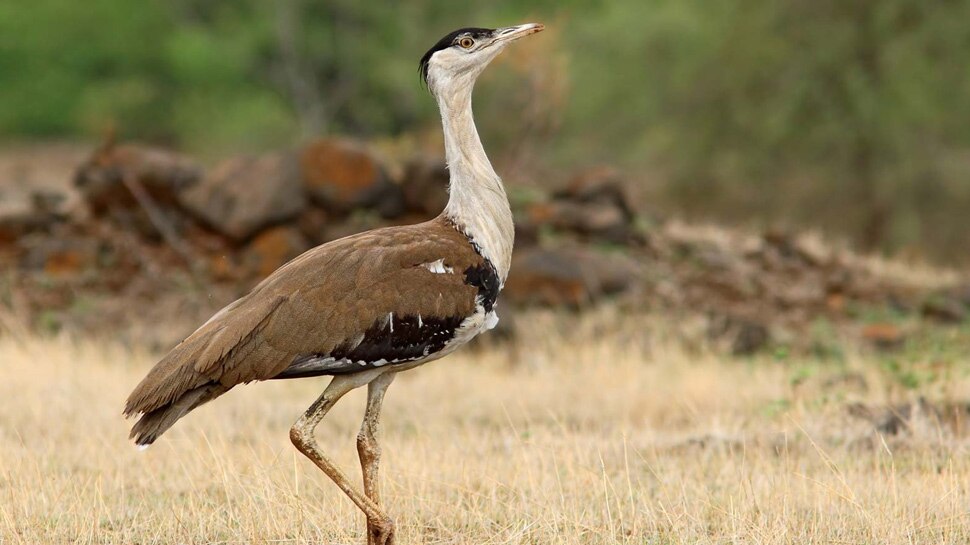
380 532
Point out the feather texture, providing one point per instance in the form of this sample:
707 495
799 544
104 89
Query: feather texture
322 303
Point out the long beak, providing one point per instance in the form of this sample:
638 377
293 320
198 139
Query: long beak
513 33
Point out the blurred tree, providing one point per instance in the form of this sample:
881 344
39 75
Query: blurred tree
63 63
844 112
851 115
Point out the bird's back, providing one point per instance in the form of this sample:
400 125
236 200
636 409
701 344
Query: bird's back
393 296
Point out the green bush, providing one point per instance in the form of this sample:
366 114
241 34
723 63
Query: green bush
850 116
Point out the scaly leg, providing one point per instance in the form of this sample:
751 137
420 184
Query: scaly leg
301 434
369 448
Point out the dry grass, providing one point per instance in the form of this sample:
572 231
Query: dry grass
595 441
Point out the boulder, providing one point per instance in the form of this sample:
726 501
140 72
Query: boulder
313 223
136 187
356 223
591 220
602 185
594 206
546 278
343 175
568 277
750 337
425 185
60 257
163 175
23 212
780 249
884 335
961 293
945 307
272 248
243 195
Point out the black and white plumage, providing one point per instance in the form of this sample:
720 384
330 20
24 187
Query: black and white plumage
365 307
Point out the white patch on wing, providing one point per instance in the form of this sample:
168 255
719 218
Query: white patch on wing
390 320
420 323
438 267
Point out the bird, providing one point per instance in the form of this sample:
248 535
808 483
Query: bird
366 307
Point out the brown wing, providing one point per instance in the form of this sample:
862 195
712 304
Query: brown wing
320 304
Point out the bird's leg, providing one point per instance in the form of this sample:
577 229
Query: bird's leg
301 434
369 449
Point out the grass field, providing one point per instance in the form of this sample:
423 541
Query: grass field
588 439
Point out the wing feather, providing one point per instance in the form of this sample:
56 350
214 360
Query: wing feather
324 299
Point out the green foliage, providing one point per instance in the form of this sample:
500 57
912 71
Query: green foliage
59 64
847 115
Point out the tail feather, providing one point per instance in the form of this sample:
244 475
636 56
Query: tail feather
227 350
154 423
171 378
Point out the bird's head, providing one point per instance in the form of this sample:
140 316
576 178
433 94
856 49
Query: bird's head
458 58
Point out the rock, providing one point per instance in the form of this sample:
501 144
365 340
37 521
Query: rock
569 277
23 212
781 246
342 175
60 257
161 173
884 336
962 294
526 233
593 206
272 248
108 180
223 268
243 195
601 185
611 273
546 278
750 338
425 185
592 220
945 308
835 302
313 222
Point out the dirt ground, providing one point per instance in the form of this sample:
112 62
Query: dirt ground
587 438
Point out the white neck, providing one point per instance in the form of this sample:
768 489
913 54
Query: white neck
477 204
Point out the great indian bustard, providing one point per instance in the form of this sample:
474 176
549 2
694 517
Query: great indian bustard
365 307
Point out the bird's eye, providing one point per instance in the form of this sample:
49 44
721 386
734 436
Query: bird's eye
466 42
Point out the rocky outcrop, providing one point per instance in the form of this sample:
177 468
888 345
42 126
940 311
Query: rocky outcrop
243 195
342 175
142 217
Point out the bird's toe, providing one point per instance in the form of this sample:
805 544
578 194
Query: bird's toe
380 532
